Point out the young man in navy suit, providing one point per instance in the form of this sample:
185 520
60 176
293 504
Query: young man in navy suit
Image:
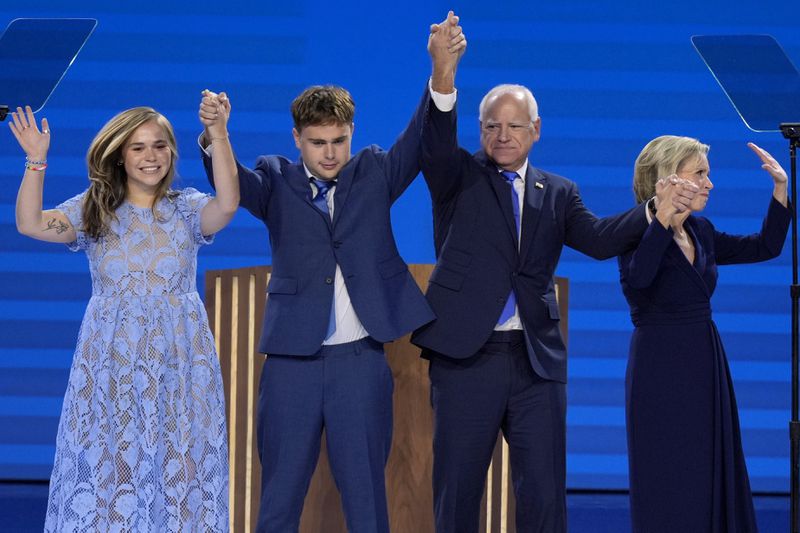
339 290
497 359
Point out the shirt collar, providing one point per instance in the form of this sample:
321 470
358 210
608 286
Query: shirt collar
521 171
312 177
309 175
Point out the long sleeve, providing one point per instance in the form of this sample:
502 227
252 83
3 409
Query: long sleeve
761 246
401 163
440 153
602 238
638 267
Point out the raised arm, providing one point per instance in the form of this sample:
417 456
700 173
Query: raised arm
214 113
51 225
779 178
602 238
767 243
639 266
446 45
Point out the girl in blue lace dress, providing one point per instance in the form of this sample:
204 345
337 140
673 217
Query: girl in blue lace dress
142 443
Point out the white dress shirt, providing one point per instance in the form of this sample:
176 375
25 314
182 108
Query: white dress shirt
348 326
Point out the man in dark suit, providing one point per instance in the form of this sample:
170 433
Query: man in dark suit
497 359
339 290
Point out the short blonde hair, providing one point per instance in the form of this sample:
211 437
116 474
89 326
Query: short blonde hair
662 157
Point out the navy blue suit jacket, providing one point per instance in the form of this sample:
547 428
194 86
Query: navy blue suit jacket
478 262
306 244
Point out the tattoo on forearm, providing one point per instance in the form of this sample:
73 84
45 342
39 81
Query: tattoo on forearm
57 225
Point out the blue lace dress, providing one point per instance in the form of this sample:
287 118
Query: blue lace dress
141 444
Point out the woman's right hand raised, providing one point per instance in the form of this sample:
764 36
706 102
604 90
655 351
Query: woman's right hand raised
35 143
781 188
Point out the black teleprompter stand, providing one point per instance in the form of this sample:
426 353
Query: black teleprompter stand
763 86
791 131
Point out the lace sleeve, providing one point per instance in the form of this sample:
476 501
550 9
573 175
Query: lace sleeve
73 210
190 202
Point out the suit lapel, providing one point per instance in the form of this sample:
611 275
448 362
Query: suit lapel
694 272
502 194
298 181
700 256
535 189
344 183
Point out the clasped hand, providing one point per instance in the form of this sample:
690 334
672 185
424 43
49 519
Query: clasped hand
214 112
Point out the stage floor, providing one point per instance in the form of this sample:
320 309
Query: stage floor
22 508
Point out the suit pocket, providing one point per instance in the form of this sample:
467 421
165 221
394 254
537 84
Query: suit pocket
447 278
282 285
456 256
392 267
553 310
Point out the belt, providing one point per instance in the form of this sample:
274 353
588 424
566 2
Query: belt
513 336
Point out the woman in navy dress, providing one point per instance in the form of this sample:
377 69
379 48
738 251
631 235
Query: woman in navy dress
687 469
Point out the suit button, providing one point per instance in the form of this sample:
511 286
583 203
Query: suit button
337 244
501 300
328 280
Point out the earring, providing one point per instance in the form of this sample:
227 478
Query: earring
119 163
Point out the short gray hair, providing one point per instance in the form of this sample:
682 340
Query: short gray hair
662 157
507 88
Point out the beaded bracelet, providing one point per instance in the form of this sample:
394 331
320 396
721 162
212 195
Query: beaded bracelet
35 166
33 162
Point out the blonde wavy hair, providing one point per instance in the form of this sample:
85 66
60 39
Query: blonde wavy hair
107 176
662 157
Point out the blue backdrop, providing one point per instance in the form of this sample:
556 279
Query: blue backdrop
608 77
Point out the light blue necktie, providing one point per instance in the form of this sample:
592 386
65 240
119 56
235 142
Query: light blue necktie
320 201
511 302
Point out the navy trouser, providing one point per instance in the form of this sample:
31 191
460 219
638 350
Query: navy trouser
473 399
347 390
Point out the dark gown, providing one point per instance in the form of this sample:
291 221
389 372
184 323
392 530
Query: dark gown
687 469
